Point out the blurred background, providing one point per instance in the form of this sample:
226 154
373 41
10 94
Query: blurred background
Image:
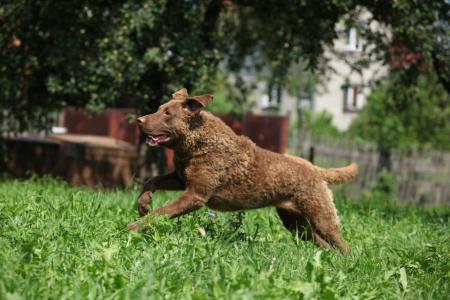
331 81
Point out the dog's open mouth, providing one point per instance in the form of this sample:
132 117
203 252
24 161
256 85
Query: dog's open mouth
157 139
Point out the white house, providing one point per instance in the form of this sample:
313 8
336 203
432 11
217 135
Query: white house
345 89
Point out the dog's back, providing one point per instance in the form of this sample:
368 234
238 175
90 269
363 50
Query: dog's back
250 176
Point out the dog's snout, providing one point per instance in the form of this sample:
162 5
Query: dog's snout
140 121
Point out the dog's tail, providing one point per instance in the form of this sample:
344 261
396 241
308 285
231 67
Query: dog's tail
333 175
338 175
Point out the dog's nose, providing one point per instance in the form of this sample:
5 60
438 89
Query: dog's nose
140 121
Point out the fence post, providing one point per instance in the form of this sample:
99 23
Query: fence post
311 154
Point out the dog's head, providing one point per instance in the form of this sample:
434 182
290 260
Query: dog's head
173 119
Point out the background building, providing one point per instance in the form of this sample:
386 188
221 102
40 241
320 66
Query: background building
342 93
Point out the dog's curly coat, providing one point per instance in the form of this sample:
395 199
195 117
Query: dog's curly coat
227 172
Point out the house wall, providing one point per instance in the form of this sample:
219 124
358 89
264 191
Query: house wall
341 56
331 98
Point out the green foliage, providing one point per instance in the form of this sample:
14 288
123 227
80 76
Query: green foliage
418 35
63 242
135 53
319 123
231 97
97 54
385 184
301 82
382 195
221 101
272 37
401 116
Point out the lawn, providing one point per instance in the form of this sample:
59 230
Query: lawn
59 242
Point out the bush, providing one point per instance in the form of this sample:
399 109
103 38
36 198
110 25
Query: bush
319 123
404 112
385 184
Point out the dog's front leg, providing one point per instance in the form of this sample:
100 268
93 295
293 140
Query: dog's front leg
187 202
169 182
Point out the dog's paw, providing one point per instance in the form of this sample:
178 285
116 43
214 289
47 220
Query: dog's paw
134 227
144 203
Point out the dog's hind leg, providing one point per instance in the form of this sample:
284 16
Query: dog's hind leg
297 223
319 207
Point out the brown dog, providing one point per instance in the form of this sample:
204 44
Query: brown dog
227 172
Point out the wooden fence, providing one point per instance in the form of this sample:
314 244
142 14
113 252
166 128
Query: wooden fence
420 177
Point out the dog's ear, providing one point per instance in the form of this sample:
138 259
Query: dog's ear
195 104
181 94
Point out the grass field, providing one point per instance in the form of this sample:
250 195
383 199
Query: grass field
62 242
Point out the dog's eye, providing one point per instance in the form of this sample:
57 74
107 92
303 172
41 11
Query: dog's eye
167 113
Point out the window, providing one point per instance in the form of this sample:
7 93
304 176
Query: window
353 97
305 101
353 40
265 101
273 97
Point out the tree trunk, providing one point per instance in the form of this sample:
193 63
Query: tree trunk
384 160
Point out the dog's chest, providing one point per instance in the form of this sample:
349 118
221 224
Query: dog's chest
180 167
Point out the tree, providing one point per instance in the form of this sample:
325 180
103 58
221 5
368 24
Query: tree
99 53
418 35
411 107
399 116
136 52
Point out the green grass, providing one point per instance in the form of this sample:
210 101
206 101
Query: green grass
62 242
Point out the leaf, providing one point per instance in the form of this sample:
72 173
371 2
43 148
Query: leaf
403 280
388 274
